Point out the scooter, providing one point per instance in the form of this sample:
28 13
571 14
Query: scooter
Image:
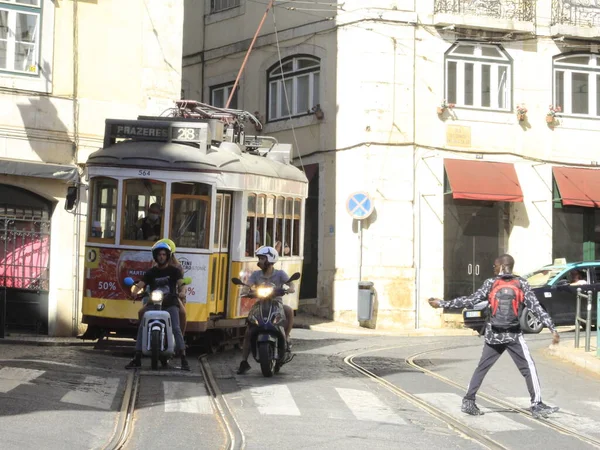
267 322
158 340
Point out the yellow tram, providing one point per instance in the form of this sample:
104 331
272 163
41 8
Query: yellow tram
196 179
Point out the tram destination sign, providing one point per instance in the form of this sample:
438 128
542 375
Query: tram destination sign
146 130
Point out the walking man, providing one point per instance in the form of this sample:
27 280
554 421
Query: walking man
507 295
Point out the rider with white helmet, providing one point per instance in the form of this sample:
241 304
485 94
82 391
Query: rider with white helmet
267 257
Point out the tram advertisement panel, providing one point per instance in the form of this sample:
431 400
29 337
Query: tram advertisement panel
106 268
244 304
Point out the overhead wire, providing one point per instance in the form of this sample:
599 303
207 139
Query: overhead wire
283 83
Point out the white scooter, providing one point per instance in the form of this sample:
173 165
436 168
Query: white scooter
158 340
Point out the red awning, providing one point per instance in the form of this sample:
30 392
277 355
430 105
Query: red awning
483 180
578 187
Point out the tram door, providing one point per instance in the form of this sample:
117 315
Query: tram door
220 255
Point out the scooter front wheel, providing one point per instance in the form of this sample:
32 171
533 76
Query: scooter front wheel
267 362
155 346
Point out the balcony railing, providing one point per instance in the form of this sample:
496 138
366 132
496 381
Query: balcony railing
579 13
519 10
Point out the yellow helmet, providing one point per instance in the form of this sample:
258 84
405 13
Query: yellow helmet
170 243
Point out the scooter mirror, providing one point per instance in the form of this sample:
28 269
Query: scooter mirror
294 277
128 281
187 280
237 281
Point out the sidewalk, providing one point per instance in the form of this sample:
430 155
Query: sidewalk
566 351
45 341
310 322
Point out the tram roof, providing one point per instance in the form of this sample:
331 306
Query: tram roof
182 157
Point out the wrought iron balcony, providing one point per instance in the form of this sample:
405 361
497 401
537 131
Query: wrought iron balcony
581 13
518 10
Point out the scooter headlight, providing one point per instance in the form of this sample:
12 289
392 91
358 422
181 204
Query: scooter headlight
156 297
264 292
252 319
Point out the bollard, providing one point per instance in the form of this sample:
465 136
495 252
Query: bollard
577 312
3 312
588 322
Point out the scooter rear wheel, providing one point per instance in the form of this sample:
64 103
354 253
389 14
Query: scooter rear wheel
155 346
267 363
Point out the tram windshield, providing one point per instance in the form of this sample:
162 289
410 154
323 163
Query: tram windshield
143 211
190 213
103 213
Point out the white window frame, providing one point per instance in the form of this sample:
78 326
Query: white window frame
275 82
13 8
591 69
226 89
217 6
479 60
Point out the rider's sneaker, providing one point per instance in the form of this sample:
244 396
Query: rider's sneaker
542 410
184 364
470 407
244 367
288 344
135 363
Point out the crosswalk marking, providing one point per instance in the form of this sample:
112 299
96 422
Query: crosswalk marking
97 392
274 400
491 422
186 397
564 417
12 377
595 405
366 406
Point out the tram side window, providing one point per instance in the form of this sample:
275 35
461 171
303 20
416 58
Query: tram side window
281 244
103 214
262 234
270 219
190 214
144 206
287 226
297 211
251 232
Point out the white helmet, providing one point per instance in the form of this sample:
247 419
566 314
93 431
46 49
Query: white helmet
271 254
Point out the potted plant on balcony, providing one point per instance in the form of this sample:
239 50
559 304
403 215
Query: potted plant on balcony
444 106
551 114
521 112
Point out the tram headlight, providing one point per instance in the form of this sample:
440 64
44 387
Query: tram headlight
264 292
156 297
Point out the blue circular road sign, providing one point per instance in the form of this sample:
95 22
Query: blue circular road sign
359 205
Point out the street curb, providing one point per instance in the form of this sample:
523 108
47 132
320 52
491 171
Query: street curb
578 357
368 332
41 343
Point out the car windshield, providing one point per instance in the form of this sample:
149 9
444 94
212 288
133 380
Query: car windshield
543 276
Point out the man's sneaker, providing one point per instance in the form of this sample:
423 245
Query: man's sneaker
542 410
135 363
184 364
244 367
288 344
470 407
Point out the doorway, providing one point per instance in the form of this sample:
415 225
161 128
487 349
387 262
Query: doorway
472 242
25 258
310 265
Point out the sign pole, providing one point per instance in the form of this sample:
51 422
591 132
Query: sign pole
360 250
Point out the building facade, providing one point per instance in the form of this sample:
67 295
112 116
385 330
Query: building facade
64 68
471 125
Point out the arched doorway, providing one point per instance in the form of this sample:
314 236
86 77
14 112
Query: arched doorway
25 258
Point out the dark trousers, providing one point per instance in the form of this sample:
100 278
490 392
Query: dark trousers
519 352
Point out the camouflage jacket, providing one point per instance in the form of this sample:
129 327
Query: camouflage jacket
481 295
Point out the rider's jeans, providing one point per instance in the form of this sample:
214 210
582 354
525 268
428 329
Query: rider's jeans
179 342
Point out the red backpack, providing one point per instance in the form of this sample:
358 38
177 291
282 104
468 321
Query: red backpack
506 303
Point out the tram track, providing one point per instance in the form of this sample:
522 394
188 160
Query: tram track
234 436
445 417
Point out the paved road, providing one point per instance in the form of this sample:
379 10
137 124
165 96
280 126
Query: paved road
70 398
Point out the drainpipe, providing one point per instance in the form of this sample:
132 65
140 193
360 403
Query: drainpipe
76 217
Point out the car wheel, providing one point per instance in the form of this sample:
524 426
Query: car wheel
530 323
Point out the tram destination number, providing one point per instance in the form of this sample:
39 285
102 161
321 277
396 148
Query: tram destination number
186 134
